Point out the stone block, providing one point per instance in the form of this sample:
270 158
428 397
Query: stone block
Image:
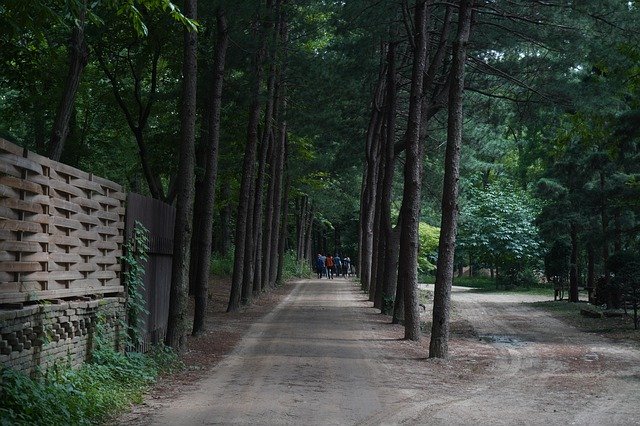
7 315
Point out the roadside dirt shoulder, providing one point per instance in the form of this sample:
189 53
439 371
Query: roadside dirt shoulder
224 331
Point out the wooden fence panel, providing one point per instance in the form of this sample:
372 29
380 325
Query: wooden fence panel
159 218
61 229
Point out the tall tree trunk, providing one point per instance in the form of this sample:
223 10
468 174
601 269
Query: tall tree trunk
78 57
247 182
410 210
249 270
282 222
398 305
282 185
605 239
225 219
591 261
367 195
176 325
439 345
375 292
307 244
268 250
268 137
573 271
210 139
389 273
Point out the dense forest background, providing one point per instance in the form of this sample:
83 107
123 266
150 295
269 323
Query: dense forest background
314 120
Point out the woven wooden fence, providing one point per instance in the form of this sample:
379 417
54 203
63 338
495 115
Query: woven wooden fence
61 229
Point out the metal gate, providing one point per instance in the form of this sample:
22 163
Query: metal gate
159 219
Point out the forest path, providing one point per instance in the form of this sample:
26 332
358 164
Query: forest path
323 356
305 362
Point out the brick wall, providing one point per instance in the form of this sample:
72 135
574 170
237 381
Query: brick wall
40 335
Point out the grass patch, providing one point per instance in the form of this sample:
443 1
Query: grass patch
488 285
84 396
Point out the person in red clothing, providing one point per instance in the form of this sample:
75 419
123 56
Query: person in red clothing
330 265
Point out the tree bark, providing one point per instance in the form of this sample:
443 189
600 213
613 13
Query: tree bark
247 182
410 210
78 58
249 255
573 267
367 194
378 246
210 139
282 193
176 325
389 273
225 219
439 345
591 261
281 184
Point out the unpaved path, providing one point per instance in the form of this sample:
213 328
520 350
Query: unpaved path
323 356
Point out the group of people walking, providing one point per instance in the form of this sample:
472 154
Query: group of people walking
330 266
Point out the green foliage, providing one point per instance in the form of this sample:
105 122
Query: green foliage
517 277
429 236
131 10
107 385
293 268
497 227
136 254
222 266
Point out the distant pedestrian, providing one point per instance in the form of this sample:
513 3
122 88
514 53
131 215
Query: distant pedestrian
346 265
329 264
320 265
338 265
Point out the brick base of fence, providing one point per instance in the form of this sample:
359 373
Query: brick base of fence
39 336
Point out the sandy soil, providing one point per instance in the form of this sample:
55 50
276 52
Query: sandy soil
323 355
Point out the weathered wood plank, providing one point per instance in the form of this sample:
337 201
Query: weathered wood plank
105 245
21 162
19 225
65 257
62 222
39 256
103 274
87 185
20 266
112 216
21 184
86 235
86 219
62 240
65 188
25 206
65 205
21 246
86 203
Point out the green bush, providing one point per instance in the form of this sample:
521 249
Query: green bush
107 385
295 269
222 266
517 278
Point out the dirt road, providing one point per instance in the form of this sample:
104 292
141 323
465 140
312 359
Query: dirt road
323 356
